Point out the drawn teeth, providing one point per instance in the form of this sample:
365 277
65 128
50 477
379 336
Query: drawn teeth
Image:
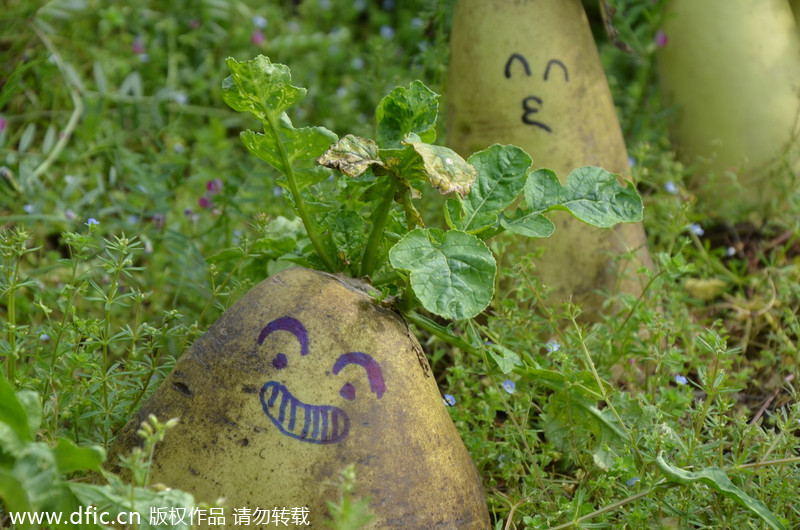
321 424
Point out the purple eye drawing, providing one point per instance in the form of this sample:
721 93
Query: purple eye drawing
320 424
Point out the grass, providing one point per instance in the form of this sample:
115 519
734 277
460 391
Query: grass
131 217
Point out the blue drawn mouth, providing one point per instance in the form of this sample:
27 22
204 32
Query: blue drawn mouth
320 424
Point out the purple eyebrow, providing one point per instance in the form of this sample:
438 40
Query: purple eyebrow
374 373
292 325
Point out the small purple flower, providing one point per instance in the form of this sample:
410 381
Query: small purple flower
44 337
681 380
661 38
449 400
214 186
2 124
552 346
204 202
696 229
138 45
509 386
632 481
69 214
159 219
671 187
92 221
257 37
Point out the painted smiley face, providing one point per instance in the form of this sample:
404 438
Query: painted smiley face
320 424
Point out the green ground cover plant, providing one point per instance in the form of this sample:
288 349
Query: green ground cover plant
132 215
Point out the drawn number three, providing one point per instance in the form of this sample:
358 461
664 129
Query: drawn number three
529 109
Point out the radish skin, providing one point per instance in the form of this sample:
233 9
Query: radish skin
528 73
731 68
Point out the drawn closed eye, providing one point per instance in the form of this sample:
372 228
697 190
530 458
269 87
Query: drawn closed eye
374 373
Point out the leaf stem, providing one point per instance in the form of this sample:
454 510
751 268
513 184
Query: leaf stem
378 226
430 326
302 210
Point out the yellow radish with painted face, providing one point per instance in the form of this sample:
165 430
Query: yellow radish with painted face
301 377
731 68
528 73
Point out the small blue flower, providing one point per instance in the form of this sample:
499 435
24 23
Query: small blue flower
730 251
92 221
357 63
449 400
552 346
671 187
509 386
28 208
632 481
500 459
387 32
44 337
681 380
696 229
631 161
259 22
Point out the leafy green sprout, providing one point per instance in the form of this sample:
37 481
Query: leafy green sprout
372 228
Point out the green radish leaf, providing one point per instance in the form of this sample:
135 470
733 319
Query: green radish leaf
451 273
502 171
351 155
591 194
302 145
717 480
260 87
446 170
347 233
404 111
70 457
528 224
